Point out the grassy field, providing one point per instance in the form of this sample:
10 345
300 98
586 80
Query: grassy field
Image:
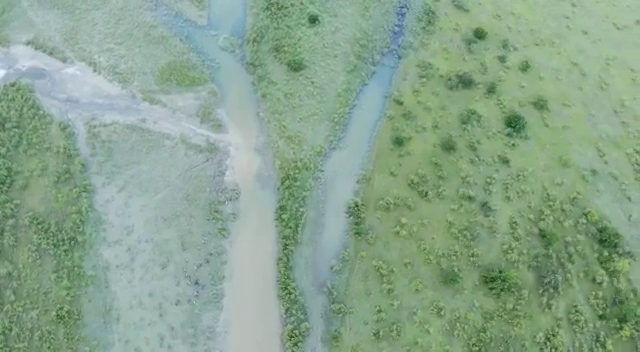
308 60
195 10
501 204
45 210
120 40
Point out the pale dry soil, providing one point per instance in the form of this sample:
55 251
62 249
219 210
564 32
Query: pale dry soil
164 189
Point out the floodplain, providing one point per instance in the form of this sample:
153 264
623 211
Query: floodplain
500 208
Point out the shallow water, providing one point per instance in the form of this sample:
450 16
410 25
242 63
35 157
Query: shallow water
251 313
341 170
327 223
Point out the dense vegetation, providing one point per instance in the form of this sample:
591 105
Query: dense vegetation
44 214
280 22
295 186
46 47
181 73
477 228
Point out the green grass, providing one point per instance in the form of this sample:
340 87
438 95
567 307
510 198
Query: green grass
45 47
120 40
4 39
207 115
44 214
296 182
338 53
199 4
5 15
182 74
480 226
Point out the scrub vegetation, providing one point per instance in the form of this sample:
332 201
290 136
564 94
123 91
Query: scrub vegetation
181 73
498 215
44 216
5 11
308 61
47 48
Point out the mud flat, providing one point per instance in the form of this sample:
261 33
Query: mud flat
163 193
163 250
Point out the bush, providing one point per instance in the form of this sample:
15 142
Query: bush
515 123
460 5
461 80
609 238
492 89
313 19
524 66
540 103
427 18
499 281
549 237
448 145
470 116
552 282
400 140
296 64
480 33
450 277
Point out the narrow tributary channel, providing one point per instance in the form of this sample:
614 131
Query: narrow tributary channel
327 224
251 312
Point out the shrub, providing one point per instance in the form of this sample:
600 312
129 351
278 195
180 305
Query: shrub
296 64
499 281
540 103
400 140
450 276
524 66
609 238
515 123
492 89
505 44
427 18
461 80
356 211
470 116
448 144
549 237
313 19
502 58
480 33
550 281
460 5
486 208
